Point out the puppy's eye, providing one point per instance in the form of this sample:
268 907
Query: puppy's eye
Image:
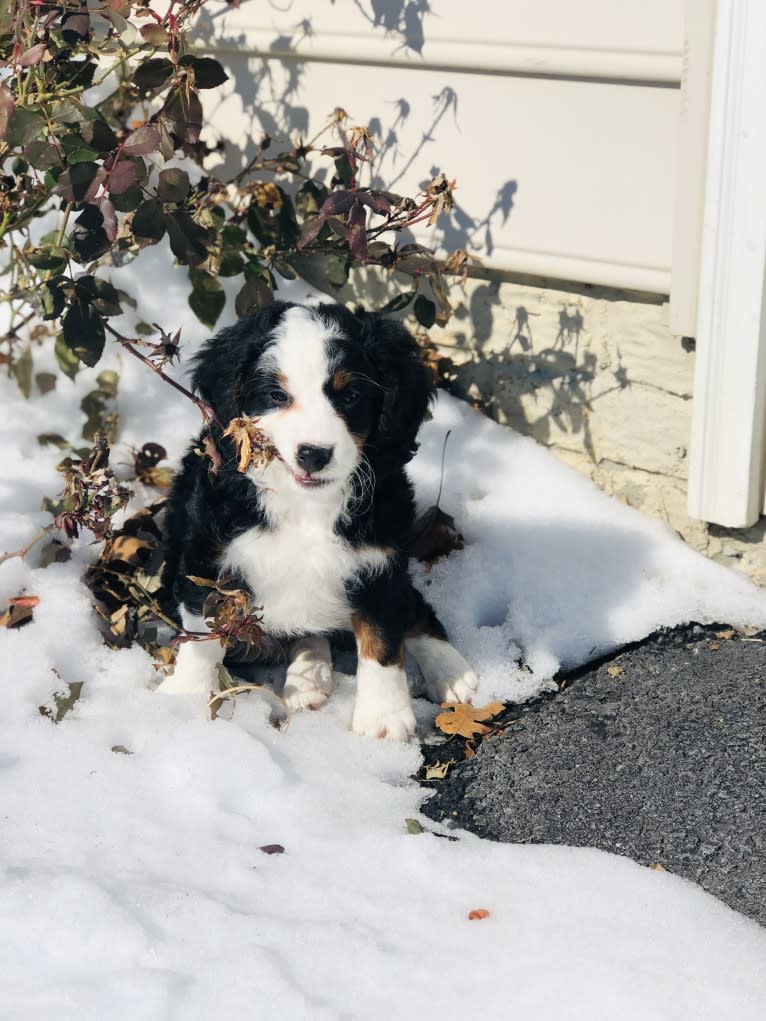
348 397
279 397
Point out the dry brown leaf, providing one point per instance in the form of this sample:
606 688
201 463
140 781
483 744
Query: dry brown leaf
439 770
128 548
615 671
434 535
477 914
19 611
656 867
253 445
465 719
725 635
713 646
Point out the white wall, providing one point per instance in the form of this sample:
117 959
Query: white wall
558 119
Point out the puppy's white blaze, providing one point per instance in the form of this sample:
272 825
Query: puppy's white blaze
299 570
383 707
300 354
196 669
447 676
309 678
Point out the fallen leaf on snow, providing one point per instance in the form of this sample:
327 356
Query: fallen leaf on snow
19 611
615 671
434 535
477 914
413 826
272 849
656 867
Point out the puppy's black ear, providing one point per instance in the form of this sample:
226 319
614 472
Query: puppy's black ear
407 387
219 367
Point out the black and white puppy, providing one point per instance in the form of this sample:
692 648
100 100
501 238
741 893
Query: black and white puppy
319 535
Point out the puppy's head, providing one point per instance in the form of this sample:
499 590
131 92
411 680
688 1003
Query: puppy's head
329 387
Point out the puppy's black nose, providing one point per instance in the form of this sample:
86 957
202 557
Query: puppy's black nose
313 459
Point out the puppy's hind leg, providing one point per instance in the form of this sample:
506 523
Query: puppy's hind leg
309 679
447 676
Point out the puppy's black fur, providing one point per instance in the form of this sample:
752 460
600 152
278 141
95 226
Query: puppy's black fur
207 510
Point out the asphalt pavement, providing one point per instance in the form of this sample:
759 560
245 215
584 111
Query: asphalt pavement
658 753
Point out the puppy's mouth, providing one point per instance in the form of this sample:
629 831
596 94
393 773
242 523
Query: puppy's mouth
309 481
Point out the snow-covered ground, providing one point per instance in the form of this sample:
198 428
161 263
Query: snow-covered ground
133 885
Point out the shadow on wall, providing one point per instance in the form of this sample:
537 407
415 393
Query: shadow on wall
544 381
539 378
275 101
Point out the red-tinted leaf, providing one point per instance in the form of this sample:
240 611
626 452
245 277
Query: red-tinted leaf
32 56
376 200
80 182
338 202
188 241
110 217
155 35
310 232
357 232
184 109
142 141
7 106
121 176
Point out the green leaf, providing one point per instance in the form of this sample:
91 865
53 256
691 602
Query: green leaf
413 826
68 362
52 299
53 440
54 553
101 294
397 303
149 221
84 332
67 111
188 240
128 200
42 155
256 293
50 258
231 265
7 106
208 73
22 369
425 311
82 155
108 382
184 110
233 237
46 381
207 298
98 135
80 182
152 74
173 185
24 126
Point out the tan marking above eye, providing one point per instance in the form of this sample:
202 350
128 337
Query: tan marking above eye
341 379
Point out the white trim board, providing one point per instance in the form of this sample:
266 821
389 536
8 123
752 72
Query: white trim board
728 443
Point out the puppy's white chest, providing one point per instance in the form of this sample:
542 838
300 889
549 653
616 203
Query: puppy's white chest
298 573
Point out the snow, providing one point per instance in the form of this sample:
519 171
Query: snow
133 885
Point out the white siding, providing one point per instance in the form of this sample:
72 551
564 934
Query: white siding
558 119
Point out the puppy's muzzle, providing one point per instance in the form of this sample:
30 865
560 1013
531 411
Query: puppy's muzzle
313 459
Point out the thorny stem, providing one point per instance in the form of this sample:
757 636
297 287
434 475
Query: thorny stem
207 411
21 553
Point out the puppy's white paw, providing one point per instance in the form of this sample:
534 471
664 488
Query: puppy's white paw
391 725
197 679
308 685
383 708
453 689
447 676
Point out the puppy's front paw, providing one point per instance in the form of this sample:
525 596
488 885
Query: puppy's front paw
198 679
307 685
391 725
447 676
383 708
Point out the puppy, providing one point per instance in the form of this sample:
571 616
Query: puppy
319 535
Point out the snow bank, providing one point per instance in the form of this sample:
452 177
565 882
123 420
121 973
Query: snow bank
133 885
